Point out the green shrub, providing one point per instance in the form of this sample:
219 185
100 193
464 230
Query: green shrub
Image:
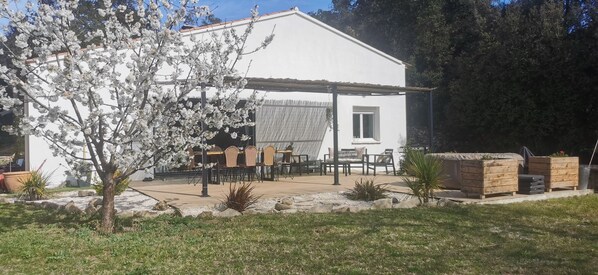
120 187
427 172
240 197
367 191
34 188
487 157
559 154
405 158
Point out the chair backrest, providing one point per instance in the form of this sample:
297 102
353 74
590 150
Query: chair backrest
269 153
217 158
215 149
386 157
286 157
250 156
191 154
231 154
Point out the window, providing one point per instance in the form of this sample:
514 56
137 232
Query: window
365 124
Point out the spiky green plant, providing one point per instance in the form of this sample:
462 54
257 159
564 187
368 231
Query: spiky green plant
427 174
34 187
367 191
240 197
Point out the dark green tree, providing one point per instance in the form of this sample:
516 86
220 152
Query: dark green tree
507 73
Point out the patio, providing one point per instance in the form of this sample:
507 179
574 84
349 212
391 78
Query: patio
178 193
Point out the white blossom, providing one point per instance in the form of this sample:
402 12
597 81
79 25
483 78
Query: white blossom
114 96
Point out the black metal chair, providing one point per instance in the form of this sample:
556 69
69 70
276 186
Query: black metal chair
385 160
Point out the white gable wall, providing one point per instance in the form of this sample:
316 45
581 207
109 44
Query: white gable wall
306 49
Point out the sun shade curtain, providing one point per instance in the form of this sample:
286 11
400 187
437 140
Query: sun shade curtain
280 122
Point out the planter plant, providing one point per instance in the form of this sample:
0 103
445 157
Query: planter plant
34 186
559 170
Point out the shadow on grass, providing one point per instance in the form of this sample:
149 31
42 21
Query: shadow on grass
17 216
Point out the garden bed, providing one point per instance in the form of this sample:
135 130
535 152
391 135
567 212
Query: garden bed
451 165
485 177
558 172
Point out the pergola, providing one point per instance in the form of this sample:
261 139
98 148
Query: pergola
335 89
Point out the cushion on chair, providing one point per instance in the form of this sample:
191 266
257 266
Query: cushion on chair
383 159
360 151
330 152
347 154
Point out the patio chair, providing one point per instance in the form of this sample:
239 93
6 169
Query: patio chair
301 161
268 154
286 161
192 163
250 163
231 154
216 159
385 160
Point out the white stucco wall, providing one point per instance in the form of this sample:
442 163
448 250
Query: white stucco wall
303 49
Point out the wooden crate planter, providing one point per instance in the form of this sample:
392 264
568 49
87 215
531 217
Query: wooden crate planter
485 177
558 172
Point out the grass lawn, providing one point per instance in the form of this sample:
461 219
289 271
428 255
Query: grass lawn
556 236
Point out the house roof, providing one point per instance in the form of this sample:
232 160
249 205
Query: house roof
294 11
324 86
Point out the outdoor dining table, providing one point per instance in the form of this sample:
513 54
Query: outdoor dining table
221 153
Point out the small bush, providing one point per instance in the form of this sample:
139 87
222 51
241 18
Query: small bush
559 154
427 172
120 187
487 157
404 160
367 191
240 197
34 188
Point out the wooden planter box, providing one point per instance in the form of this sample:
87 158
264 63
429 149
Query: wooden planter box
558 172
451 173
485 177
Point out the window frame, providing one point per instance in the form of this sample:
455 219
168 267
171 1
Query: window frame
375 127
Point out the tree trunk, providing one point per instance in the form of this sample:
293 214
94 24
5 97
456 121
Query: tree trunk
107 225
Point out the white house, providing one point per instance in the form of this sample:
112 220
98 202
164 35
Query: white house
304 49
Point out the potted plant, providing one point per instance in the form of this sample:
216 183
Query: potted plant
559 170
13 181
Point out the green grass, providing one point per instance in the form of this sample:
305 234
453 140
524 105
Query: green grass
52 192
556 236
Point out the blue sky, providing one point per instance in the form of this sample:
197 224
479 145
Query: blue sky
228 10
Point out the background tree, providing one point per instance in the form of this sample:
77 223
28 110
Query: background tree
507 73
124 97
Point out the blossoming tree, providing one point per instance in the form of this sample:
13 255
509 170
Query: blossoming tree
121 93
